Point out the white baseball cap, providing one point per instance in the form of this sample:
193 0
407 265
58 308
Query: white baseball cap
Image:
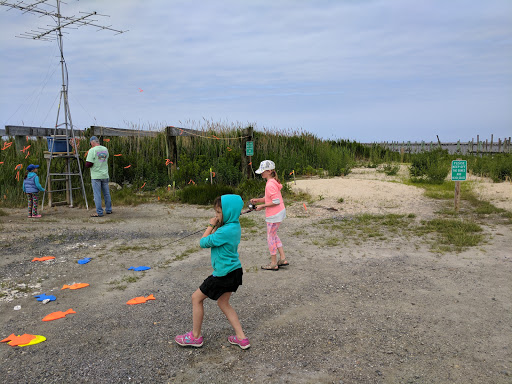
265 165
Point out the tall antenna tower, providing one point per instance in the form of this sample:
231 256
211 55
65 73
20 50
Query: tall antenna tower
52 33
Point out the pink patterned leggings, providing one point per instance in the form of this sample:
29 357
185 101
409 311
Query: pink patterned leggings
32 204
273 240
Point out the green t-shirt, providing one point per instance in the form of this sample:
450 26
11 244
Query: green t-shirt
99 156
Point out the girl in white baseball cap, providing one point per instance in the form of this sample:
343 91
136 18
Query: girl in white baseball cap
275 213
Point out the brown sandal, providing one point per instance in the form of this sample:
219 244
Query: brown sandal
270 267
283 263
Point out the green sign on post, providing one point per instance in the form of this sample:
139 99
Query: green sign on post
459 169
249 148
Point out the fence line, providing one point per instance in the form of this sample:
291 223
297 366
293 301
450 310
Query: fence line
473 147
464 148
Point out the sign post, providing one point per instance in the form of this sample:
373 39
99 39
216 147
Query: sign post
459 172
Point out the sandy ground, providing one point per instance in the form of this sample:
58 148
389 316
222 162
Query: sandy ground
365 190
356 310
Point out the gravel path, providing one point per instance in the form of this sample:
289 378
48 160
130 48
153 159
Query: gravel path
369 312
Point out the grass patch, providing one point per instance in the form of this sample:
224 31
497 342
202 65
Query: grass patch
126 248
365 227
3 213
452 235
119 284
183 255
247 222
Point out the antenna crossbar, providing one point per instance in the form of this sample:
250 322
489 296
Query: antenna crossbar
63 21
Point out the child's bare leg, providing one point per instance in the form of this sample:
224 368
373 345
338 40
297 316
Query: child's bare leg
273 259
281 254
230 313
197 312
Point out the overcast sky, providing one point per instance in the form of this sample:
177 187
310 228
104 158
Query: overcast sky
364 70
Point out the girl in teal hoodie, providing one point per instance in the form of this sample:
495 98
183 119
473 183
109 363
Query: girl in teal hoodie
223 236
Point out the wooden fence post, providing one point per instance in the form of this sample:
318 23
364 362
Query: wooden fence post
19 143
172 149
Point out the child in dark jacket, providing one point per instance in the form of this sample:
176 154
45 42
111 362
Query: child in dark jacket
31 187
222 235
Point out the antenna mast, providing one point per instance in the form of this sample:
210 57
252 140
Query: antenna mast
42 8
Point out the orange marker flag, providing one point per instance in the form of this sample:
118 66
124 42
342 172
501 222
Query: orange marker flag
304 204
167 162
229 149
57 315
213 174
106 140
43 258
18 175
191 181
19 166
215 137
28 154
86 154
25 148
1 162
7 145
119 154
143 185
181 132
250 163
128 166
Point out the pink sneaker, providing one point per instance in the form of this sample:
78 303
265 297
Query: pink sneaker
188 340
244 343
36 216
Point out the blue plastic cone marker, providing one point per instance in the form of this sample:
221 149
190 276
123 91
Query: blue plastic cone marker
141 268
84 261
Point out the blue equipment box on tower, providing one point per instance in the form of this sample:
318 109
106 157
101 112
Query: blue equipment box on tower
59 144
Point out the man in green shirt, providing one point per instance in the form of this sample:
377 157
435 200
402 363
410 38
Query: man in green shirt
97 161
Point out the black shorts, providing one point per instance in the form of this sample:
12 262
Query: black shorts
214 287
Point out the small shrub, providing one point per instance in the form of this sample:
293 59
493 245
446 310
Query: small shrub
391 170
431 167
204 194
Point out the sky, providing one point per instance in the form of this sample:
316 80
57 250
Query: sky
363 70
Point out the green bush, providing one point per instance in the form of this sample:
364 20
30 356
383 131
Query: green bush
431 167
497 166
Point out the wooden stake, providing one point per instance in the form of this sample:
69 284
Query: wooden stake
457 195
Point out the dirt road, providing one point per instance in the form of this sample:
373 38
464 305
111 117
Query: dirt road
349 308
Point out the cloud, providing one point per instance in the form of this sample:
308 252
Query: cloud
285 64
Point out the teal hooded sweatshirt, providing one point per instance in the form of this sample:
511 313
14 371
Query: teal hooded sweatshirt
224 241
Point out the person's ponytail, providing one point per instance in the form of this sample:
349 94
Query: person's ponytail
273 173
